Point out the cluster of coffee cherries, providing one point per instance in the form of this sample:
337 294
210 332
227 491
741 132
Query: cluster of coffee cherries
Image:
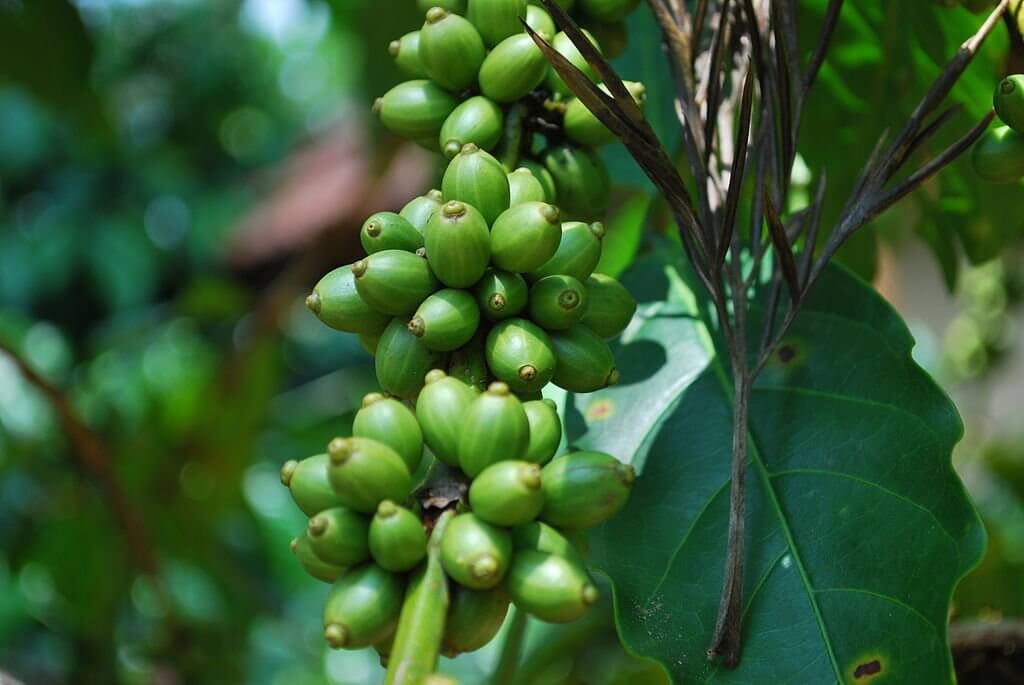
509 540
484 282
999 154
478 77
448 504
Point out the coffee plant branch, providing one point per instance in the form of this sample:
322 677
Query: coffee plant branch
753 40
92 455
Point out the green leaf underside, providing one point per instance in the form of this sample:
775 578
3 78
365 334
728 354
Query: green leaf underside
858 528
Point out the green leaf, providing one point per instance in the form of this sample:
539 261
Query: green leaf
858 528
45 48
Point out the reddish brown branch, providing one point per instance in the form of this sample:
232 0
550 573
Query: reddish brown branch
92 455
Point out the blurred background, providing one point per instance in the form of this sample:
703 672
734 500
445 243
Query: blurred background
174 177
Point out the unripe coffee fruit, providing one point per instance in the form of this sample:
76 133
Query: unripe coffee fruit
446 320
397 540
583 489
440 409
403 361
415 109
520 353
389 231
362 607
475 554
365 472
340 536
494 428
337 303
507 493
387 420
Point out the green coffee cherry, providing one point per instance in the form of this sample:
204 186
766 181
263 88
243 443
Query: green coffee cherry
585 128
610 307
525 236
389 421
308 483
558 302
394 281
440 408
302 548
608 10
520 353
402 360
540 537
538 19
446 320
406 53
478 179
339 536
578 254
337 303
581 180
512 69
369 342
507 493
496 19
477 120
419 210
397 539
999 155
458 244
524 187
415 109
417 644
494 428
362 608
365 472
550 587
583 489
543 176
584 362
474 553
469 363
451 49
389 231
1009 102
611 36
474 618
501 294
563 44
545 430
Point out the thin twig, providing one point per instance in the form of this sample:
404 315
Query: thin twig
714 80
738 168
92 455
807 258
783 250
700 17
935 96
930 130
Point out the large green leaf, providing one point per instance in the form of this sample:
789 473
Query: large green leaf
858 527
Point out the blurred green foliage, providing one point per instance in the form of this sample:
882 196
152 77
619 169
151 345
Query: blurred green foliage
132 132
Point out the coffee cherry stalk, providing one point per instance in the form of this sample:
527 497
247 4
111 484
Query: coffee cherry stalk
448 504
